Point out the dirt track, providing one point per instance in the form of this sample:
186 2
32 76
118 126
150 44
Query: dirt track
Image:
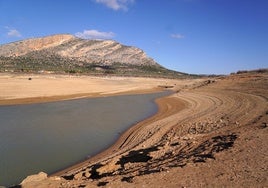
211 134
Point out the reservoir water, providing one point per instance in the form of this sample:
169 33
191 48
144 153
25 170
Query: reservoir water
51 136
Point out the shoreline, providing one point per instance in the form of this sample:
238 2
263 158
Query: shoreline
18 89
160 102
58 89
117 148
105 151
122 137
57 98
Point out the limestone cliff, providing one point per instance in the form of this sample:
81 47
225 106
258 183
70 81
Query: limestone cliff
67 46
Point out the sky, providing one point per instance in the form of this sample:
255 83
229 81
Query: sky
192 36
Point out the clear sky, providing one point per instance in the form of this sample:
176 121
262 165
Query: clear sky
193 36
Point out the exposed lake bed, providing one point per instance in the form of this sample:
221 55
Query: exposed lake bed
52 136
218 124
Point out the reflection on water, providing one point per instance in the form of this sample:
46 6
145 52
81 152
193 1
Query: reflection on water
51 136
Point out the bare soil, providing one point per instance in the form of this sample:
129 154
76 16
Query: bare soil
210 133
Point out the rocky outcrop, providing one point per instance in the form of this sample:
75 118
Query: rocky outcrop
23 47
41 180
35 178
106 52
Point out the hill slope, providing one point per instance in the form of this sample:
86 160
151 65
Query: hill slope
66 53
68 46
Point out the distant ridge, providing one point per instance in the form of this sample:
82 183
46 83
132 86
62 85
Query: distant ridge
107 51
67 53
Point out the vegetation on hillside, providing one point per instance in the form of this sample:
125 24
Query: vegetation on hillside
52 63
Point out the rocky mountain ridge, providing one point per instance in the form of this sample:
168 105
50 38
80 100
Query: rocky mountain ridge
66 53
23 47
67 46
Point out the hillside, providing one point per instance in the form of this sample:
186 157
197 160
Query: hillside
69 54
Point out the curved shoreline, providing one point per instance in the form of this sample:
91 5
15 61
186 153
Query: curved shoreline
120 145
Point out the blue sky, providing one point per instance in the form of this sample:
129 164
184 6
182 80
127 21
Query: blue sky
193 36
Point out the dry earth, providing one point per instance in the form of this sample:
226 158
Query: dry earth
24 88
210 133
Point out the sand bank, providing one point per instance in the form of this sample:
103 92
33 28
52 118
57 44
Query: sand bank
21 88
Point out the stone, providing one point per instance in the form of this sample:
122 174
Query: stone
55 178
87 174
34 178
78 175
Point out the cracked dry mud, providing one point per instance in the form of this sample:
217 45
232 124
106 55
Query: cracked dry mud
209 135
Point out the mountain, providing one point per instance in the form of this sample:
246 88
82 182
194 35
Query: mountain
67 53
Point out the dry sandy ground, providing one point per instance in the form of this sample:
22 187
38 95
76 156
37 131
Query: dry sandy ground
211 133
22 88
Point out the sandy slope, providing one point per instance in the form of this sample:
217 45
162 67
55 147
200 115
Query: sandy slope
207 134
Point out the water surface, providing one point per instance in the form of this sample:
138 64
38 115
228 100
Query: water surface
52 136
